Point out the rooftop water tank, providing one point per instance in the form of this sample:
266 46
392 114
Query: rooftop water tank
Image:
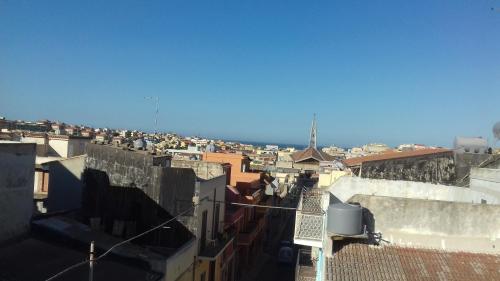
139 143
344 219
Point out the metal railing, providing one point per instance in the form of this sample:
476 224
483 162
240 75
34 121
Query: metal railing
305 269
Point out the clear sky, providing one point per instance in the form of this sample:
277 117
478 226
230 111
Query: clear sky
373 71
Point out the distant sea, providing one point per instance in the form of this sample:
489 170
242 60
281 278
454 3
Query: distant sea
263 144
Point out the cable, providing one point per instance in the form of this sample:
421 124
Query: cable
118 245
66 270
142 234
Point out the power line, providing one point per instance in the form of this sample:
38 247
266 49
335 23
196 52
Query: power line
155 228
118 245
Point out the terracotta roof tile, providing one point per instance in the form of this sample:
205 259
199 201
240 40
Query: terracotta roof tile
311 153
364 262
394 155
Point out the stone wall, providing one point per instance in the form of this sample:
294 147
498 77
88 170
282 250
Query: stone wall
17 173
202 169
433 168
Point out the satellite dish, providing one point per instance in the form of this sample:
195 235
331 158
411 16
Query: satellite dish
496 131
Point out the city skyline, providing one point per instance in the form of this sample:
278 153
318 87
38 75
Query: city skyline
362 68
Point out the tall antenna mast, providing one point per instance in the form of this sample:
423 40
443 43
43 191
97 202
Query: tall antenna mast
157 104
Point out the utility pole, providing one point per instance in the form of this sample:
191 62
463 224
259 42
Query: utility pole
157 104
91 262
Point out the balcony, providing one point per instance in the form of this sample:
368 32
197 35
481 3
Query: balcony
310 219
306 268
251 231
233 215
214 248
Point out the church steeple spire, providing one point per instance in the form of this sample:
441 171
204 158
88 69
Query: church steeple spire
312 139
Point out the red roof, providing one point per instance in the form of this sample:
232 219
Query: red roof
311 153
364 262
394 155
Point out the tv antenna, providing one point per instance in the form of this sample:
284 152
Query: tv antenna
156 99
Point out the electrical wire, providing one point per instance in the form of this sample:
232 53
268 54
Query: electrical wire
153 229
118 245
66 270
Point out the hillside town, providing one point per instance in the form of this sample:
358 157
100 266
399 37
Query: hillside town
80 202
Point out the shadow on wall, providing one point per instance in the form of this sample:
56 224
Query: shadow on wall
65 184
127 211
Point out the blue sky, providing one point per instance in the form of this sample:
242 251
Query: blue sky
372 71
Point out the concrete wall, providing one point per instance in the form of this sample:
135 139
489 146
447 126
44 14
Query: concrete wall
486 181
58 147
65 184
17 169
76 146
434 224
346 187
124 168
434 168
179 265
464 162
202 169
329 176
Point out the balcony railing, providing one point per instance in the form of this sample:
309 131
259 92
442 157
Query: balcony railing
214 248
306 268
253 229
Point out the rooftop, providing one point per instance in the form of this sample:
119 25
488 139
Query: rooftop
394 155
313 153
35 259
366 262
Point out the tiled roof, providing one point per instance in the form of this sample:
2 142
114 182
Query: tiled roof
394 155
364 262
313 153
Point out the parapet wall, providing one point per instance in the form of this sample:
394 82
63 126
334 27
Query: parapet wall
434 224
346 187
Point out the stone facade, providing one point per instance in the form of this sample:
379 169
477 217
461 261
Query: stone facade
433 168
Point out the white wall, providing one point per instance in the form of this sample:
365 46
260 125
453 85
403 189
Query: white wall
58 147
486 181
17 169
346 187
206 192
181 261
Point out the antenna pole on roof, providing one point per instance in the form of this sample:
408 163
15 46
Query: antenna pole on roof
91 262
157 104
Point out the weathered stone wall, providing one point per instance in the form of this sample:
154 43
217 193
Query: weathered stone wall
434 224
124 168
434 168
171 188
17 174
204 170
